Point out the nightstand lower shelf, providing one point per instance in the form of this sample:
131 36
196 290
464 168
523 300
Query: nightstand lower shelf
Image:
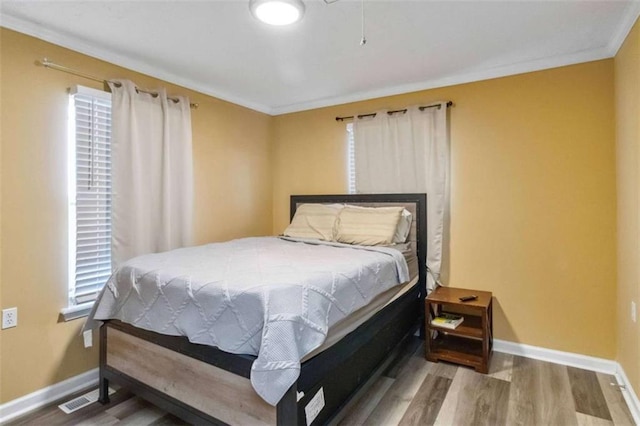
458 350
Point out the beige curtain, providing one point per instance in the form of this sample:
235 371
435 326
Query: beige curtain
408 153
152 172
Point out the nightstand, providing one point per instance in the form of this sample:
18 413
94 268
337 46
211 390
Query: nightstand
471 343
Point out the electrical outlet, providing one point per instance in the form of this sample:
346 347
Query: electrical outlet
9 318
634 312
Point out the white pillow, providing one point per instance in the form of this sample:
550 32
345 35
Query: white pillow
314 221
368 226
404 227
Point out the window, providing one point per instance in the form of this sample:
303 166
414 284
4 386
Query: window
89 183
351 160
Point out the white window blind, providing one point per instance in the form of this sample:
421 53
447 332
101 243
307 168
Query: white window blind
89 193
351 159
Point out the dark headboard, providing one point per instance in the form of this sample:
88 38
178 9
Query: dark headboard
415 203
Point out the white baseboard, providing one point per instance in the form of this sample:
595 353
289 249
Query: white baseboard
42 397
629 394
565 358
576 360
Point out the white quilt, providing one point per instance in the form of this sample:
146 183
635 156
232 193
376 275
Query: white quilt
271 297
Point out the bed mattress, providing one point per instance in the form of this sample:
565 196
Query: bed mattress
269 297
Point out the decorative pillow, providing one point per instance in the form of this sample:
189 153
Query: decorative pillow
369 226
314 221
404 227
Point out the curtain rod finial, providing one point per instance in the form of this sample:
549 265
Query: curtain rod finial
44 62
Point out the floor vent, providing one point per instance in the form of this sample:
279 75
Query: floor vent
82 401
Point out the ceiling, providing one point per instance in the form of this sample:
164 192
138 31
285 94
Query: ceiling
218 48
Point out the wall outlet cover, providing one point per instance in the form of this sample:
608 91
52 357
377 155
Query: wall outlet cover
9 318
634 312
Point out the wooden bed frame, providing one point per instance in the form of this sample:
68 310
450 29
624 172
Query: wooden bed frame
204 385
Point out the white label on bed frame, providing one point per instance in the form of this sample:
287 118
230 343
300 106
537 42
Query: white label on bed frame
313 408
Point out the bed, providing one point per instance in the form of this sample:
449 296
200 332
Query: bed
205 385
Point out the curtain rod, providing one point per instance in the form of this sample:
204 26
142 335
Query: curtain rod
373 114
47 64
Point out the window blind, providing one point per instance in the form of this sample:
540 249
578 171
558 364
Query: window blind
90 194
351 159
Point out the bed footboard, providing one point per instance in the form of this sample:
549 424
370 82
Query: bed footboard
210 394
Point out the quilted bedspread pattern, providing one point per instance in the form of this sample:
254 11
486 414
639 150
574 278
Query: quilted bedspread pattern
271 297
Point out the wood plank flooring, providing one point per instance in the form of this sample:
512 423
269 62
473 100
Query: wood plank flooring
413 391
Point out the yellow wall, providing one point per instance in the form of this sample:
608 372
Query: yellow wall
627 98
232 199
533 208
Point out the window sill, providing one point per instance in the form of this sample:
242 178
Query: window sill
77 311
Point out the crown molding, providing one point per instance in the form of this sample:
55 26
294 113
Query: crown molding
58 38
630 17
33 29
504 71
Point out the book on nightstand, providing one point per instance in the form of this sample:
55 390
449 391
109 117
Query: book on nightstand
446 320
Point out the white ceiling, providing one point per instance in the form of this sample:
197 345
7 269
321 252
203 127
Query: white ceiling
218 48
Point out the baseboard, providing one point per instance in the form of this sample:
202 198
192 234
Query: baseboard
42 397
576 360
629 394
565 358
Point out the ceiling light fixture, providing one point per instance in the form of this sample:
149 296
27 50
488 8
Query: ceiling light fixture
277 12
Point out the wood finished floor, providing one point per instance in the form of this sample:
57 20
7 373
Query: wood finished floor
413 391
